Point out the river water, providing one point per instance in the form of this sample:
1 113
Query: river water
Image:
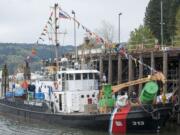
11 126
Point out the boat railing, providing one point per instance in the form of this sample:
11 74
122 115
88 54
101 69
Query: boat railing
75 65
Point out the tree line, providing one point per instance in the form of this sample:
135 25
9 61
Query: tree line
151 29
14 54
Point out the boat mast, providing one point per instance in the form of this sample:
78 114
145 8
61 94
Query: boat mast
76 53
56 36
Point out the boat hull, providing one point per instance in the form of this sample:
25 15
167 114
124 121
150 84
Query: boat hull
137 120
88 121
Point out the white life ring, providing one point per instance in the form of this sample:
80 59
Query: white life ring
122 101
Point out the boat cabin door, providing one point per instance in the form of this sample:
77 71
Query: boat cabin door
75 102
61 102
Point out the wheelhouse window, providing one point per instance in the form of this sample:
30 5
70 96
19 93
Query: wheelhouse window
78 76
85 76
67 77
97 76
71 76
63 75
59 76
90 75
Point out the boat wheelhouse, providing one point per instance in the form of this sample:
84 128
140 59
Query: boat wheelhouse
73 89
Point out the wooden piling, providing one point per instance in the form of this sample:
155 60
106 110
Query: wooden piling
130 73
165 67
152 61
119 69
110 69
140 71
101 66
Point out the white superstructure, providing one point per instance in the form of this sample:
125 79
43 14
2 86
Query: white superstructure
72 91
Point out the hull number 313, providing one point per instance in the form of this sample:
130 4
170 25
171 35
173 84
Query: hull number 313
138 123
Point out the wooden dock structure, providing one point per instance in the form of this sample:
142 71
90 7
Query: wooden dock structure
120 69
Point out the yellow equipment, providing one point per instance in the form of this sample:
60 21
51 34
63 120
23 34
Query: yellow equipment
158 76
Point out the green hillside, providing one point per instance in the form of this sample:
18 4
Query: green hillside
14 54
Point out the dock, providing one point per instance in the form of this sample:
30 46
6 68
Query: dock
118 68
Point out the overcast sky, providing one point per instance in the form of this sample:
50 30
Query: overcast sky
22 21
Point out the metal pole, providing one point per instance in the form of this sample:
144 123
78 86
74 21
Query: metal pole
119 56
162 24
56 38
75 33
119 27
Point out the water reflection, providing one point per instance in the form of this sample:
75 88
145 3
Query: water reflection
14 126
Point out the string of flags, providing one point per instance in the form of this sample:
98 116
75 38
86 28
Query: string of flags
117 47
62 14
122 51
92 34
65 15
41 37
46 28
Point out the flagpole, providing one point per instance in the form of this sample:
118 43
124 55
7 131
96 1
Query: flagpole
75 33
119 57
56 38
162 38
119 27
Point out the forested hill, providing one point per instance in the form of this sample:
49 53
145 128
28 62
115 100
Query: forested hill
14 54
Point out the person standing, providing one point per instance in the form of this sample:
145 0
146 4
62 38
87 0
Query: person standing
104 78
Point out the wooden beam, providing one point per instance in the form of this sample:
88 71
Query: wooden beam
140 71
165 67
110 69
152 61
101 67
119 69
130 73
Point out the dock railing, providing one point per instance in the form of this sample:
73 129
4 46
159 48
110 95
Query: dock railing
151 47
128 47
